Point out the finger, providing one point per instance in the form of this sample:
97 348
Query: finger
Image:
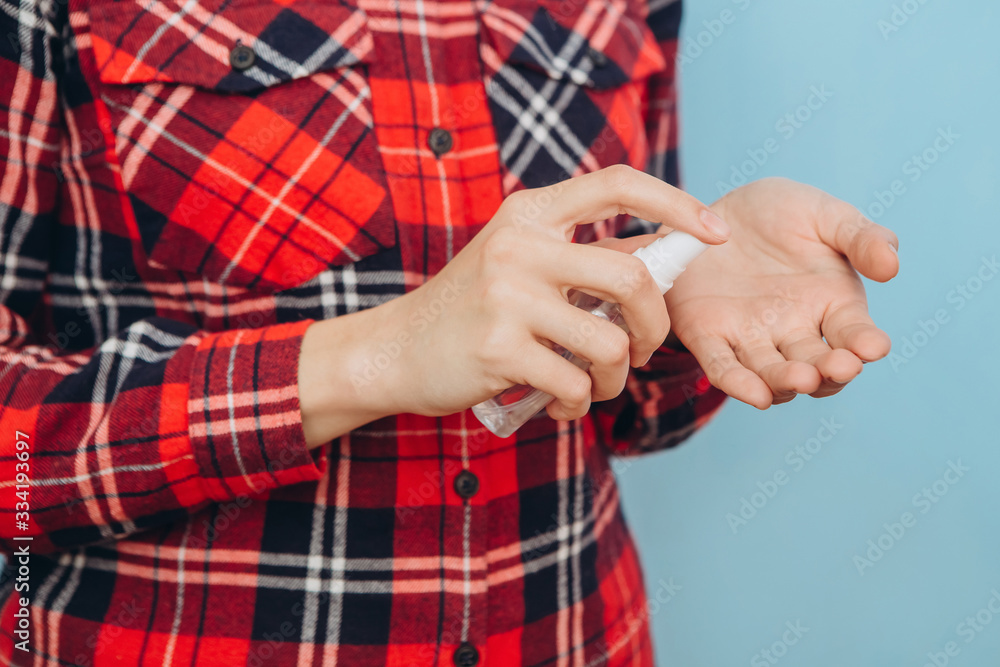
547 371
627 245
614 191
835 366
785 378
872 249
610 276
725 372
601 343
828 389
560 412
851 328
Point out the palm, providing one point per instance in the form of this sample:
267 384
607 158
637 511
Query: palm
779 310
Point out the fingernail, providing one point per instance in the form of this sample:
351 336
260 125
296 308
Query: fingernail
894 249
715 224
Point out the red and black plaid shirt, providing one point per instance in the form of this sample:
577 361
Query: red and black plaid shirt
187 184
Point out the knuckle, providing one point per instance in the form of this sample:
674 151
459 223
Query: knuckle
500 352
635 275
577 390
498 294
617 177
612 346
502 246
494 350
617 182
712 369
517 197
716 367
663 329
608 389
715 379
618 347
514 203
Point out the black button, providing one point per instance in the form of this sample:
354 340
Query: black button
597 58
242 57
465 655
440 141
466 484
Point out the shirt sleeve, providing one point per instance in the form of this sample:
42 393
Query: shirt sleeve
155 422
669 398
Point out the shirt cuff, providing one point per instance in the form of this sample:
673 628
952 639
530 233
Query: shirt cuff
244 418
663 404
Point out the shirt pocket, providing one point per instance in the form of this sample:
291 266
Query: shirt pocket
566 83
244 135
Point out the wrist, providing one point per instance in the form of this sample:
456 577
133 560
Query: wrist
344 382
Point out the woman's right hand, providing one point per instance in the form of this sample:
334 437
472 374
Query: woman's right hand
487 320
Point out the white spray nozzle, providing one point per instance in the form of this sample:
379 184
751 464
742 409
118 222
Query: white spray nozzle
666 258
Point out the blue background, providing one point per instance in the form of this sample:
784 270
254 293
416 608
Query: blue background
794 560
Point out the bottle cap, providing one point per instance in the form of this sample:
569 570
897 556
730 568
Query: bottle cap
666 258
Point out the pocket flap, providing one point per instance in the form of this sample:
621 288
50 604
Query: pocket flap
595 44
140 42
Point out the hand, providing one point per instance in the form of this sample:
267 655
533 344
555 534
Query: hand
512 283
486 321
755 312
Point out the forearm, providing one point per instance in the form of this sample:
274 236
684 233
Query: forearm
185 418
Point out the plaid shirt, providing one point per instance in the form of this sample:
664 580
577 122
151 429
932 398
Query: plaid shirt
186 186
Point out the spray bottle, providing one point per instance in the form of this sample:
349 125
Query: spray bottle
665 258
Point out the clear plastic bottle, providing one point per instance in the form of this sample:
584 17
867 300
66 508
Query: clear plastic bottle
665 258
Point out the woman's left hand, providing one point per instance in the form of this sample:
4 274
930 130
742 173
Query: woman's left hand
780 310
